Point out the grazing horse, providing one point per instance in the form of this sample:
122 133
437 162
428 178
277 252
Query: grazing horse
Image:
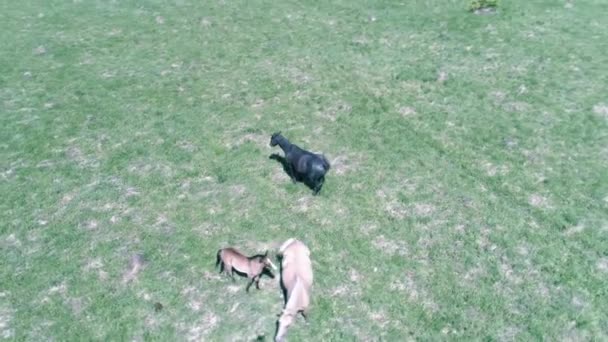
296 281
301 164
253 267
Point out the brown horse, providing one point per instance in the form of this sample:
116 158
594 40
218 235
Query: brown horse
296 280
253 267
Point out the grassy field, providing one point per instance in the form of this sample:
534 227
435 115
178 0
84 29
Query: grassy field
467 200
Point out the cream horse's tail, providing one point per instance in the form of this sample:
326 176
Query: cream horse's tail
291 309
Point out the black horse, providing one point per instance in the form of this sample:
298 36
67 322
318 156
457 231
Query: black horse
301 165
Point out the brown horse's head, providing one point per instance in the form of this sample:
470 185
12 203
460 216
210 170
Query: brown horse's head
265 260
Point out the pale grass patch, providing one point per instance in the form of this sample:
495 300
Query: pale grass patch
368 228
507 272
396 209
575 230
601 109
602 265
236 139
473 275
423 209
207 229
442 76
61 289
380 318
516 106
304 204
199 330
399 210
415 293
493 170
297 76
96 265
76 305
92 225
340 291
335 110
571 333
539 201
75 154
345 163
143 168
407 111
93 264
579 302
237 190
279 176
509 333
389 246
12 241
233 288
6 317
186 146
40 50
354 276
207 275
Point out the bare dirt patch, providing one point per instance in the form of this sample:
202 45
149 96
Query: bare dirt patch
136 264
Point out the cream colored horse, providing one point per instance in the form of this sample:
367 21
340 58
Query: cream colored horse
296 279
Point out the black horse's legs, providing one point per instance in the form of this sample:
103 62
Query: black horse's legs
318 185
291 172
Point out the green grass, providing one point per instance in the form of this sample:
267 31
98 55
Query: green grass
468 196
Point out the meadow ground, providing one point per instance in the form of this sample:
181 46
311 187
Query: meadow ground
468 195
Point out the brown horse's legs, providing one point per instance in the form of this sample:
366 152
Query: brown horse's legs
230 271
249 285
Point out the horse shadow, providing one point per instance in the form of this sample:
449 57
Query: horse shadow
294 177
